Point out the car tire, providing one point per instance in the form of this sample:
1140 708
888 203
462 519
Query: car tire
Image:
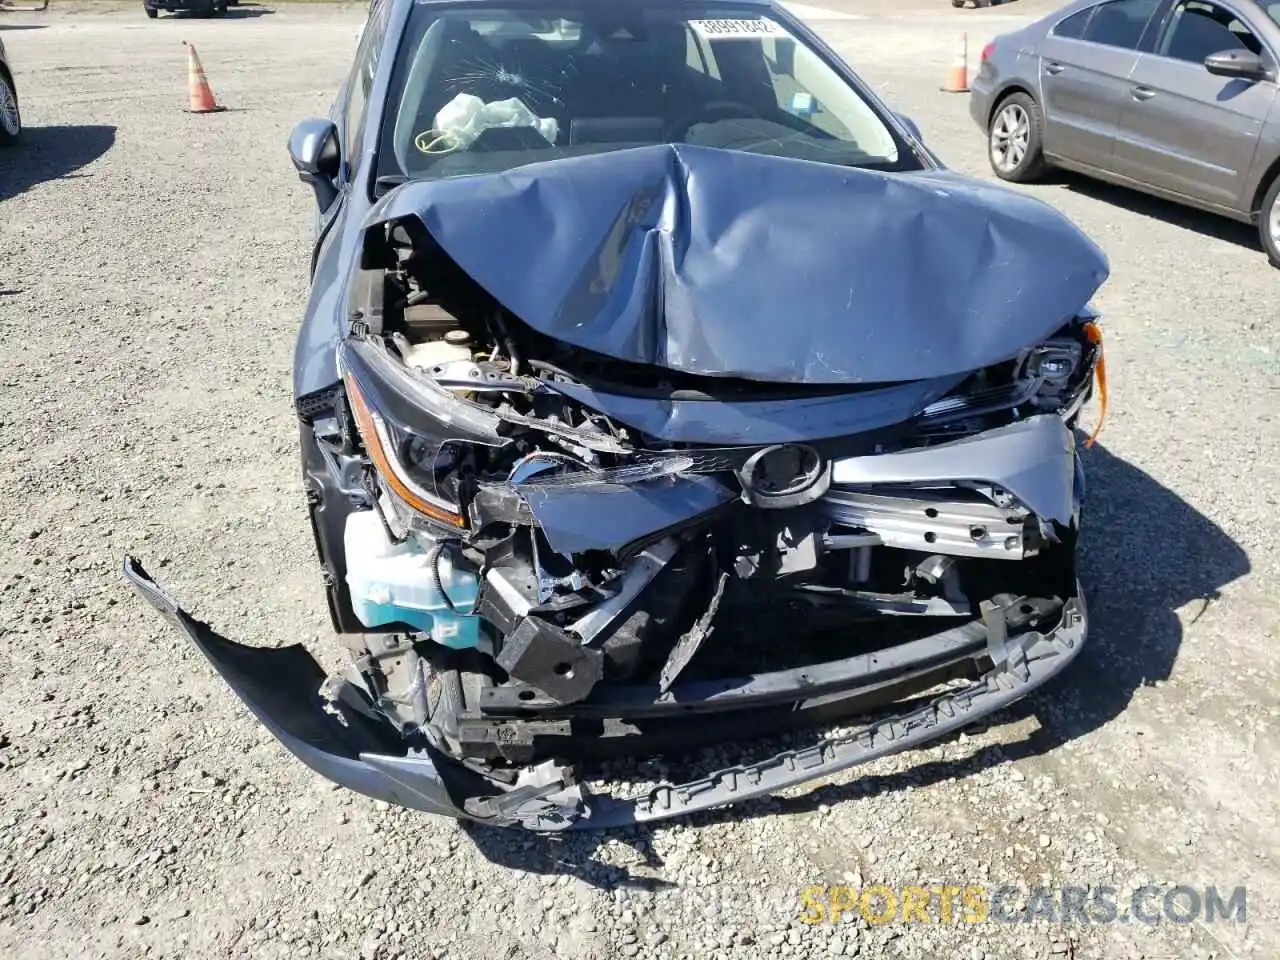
219 9
10 115
1269 222
1015 139
152 12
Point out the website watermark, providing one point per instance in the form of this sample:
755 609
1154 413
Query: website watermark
941 903
978 903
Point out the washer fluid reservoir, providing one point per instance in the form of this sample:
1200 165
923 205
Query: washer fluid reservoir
396 583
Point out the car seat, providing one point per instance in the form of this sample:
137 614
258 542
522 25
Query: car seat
629 81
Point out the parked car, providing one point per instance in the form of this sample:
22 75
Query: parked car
1176 98
658 388
205 8
10 115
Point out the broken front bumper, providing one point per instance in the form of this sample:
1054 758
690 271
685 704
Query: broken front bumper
281 687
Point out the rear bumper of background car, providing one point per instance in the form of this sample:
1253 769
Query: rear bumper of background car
281 687
981 97
171 6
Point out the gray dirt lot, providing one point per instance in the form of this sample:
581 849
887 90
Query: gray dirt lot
152 269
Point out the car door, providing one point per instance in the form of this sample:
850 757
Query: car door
1085 63
1184 129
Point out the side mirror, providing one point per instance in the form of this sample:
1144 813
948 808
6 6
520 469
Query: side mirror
1240 64
911 126
313 147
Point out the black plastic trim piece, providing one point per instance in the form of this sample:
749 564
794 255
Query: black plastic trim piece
965 642
328 508
1039 657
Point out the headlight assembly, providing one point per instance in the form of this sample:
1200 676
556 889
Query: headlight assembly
1054 363
1052 376
400 457
412 431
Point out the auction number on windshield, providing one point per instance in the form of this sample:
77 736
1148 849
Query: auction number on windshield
736 29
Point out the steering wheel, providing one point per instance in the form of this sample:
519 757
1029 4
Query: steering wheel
709 113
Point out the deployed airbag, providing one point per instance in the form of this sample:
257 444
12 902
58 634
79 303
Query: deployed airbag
721 263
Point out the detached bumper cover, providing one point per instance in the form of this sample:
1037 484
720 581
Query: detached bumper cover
280 686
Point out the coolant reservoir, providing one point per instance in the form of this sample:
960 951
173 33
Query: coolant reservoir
394 582
456 345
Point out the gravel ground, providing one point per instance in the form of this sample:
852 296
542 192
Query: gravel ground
152 278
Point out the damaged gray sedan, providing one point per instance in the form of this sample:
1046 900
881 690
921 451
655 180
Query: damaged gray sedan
658 388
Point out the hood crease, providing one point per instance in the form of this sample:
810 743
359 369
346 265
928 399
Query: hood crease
724 264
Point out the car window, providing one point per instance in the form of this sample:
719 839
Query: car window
361 79
1198 30
700 57
478 91
805 87
1073 26
1120 23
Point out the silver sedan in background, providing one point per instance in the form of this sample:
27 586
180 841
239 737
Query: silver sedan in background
1176 98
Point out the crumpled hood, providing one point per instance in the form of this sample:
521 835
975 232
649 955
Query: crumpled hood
722 263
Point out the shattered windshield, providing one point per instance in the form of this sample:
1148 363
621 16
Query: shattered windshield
480 90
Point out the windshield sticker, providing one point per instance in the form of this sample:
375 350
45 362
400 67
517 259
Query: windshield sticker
737 29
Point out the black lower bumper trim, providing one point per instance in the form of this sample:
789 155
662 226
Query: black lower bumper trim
281 688
860 672
1021 664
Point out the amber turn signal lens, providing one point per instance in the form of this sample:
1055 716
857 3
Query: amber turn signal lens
1094 333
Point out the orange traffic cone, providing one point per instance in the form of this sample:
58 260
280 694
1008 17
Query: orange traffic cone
958 78
201 96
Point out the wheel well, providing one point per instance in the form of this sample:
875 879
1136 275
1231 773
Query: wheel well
1005 94
1264 185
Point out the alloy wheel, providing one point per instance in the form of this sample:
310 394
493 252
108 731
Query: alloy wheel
1273 221
9 117
1010 137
